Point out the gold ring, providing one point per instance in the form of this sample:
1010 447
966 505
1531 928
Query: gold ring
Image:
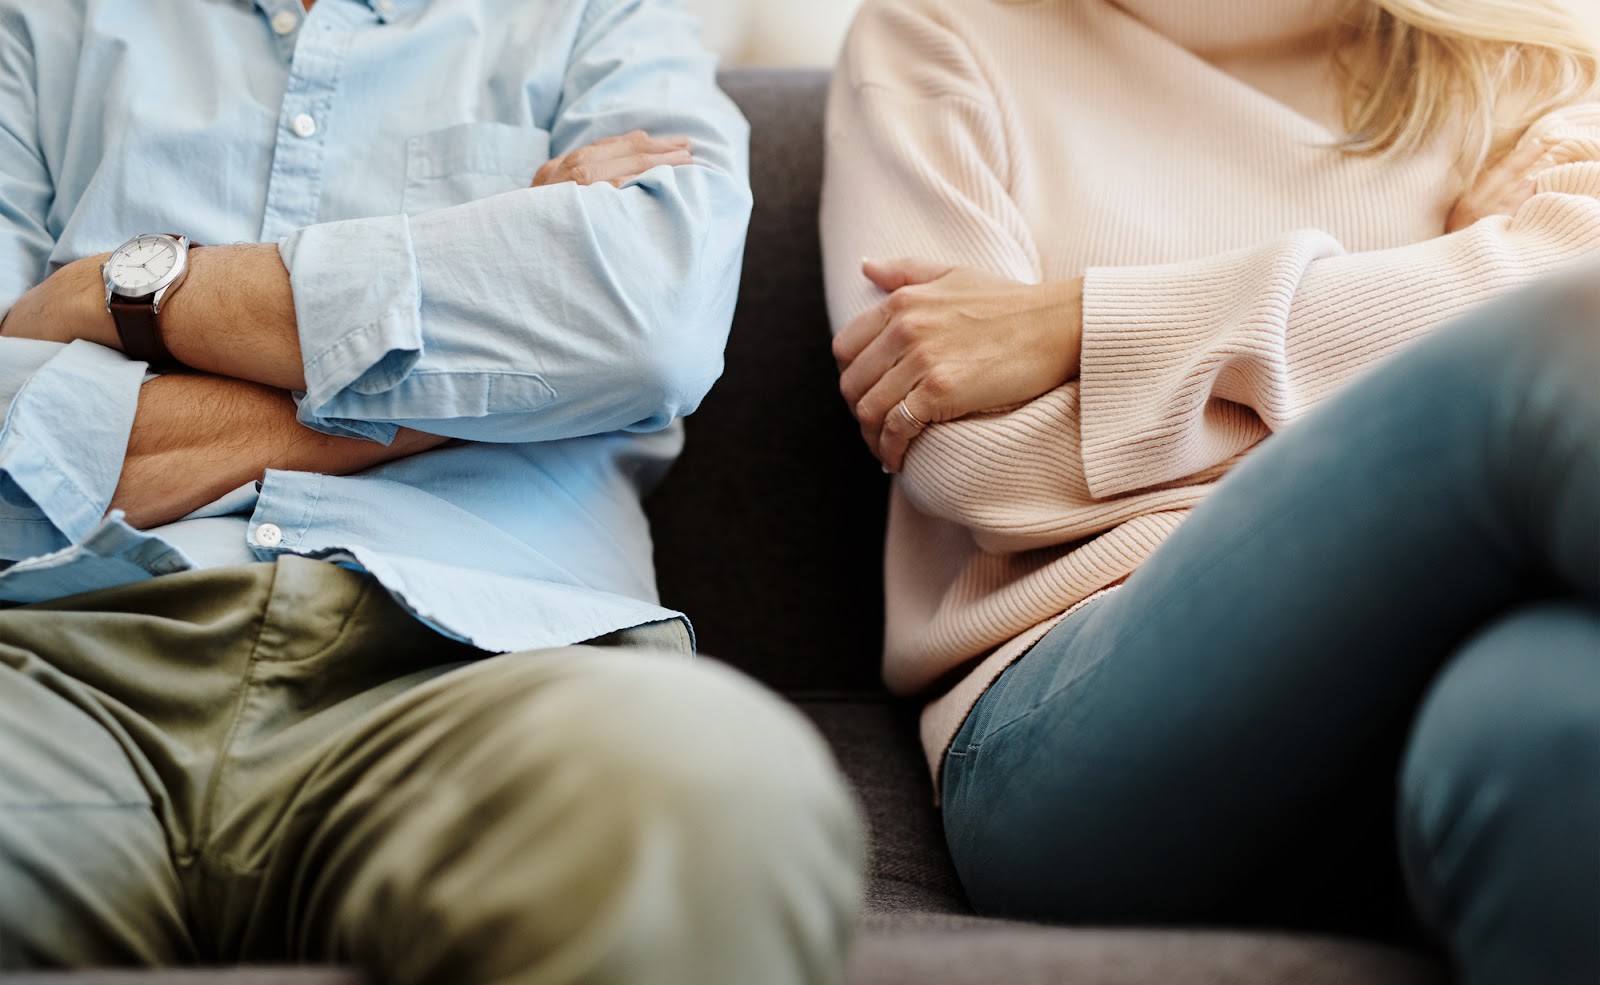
906 413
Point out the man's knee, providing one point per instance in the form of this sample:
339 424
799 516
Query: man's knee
615 807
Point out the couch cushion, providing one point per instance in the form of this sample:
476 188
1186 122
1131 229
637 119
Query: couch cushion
769 531
934 949
195 976
908 869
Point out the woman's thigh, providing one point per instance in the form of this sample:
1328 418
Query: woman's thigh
1158 754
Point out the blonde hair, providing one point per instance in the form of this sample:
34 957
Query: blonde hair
1411 68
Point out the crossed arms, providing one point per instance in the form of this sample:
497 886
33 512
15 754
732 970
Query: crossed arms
353 343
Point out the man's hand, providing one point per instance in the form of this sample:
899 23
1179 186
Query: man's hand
952 341
70 304
615 160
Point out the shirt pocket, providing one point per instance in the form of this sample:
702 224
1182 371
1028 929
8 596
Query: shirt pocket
469 161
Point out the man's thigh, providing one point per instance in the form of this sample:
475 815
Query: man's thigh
132 720
575 814
86 876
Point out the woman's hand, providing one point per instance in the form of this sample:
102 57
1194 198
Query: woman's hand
615 160
1502 188
952 341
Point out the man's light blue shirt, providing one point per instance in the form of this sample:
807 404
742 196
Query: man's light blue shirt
387 146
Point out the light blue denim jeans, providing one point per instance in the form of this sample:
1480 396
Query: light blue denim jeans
1367 668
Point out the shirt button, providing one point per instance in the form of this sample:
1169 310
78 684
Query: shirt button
269 535
384 7
285 21
303 125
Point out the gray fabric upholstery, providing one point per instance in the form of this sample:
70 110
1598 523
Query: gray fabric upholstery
908 868
197 976
768 533
902 949
768 529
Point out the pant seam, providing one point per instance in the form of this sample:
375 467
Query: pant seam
207 805
225 860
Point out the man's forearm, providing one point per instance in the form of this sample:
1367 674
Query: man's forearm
197 437
234 316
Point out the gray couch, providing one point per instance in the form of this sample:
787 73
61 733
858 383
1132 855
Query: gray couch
768 534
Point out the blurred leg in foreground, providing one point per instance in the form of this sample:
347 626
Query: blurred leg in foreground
276 763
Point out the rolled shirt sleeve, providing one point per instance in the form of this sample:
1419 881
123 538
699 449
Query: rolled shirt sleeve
551 312
70 410
26 190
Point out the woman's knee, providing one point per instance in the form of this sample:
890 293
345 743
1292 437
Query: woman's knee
1504 759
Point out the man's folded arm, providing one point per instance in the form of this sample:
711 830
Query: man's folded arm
83 433
26 190
67 411
218 434
537 314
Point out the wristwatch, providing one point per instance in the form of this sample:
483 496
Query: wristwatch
140 276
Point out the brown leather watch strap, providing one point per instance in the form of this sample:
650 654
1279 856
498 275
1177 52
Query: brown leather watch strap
140 330
140 335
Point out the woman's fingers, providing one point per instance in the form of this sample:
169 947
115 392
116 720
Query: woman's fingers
886 429
856 336
891 275
950 342
1503 188
883 351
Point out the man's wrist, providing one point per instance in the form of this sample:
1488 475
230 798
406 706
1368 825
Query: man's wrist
84 294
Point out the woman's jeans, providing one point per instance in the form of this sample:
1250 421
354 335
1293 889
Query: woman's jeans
1374 648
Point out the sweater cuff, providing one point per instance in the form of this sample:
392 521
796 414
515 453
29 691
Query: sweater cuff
1160 342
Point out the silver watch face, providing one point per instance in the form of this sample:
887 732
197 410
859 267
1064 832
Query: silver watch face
144 265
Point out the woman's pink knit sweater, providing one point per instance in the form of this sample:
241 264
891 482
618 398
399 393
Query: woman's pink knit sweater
1177 154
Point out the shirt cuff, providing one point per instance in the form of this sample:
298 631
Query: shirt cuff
358 302
63 442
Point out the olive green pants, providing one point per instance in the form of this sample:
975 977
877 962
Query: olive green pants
275 762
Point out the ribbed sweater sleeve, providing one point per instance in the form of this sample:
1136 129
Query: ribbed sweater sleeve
1186 365
917 166
916 163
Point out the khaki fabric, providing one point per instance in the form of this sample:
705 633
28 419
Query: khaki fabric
275 762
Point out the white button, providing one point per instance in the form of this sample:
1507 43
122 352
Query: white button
285 21
384 7
303 125
268 535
